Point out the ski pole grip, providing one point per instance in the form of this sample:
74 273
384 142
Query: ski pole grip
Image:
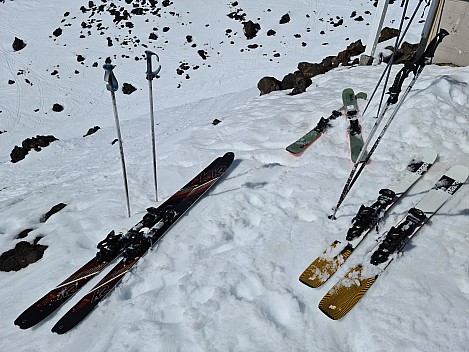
111 82
151 74
431 48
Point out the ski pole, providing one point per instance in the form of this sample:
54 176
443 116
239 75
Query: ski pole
416 67
150 75
112 85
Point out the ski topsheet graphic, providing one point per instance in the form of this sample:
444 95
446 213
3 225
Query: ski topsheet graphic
345 294
146 232
323 267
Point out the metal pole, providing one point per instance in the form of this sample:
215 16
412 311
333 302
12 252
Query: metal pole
150 75
112 86
367 57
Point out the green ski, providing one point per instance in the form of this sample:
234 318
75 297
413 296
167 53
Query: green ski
355 131
309 138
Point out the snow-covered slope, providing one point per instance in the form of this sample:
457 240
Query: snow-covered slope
225 278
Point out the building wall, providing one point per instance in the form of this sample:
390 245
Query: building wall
455 19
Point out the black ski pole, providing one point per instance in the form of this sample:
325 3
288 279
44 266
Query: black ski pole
150 75
112 85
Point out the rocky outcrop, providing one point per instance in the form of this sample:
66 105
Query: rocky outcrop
21 256
36 143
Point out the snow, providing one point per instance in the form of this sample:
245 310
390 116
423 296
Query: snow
225 278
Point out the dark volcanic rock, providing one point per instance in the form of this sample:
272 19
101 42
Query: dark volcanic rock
36 143
301 79
250 29
92 130
57 32
387 33
405 53
285 19
57 107
24 233
202 54
127 88
268 84
55 209
18 44
288 82
21 256
301 84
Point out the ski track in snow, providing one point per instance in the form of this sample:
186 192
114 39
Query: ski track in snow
225 278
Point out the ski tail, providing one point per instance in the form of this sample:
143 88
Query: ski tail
348 291
299 146
59 295
140 244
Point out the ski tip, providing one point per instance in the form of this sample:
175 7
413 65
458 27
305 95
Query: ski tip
229 155
459 173
22 323
59 328
361 95
429 155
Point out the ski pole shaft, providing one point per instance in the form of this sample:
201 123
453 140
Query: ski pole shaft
153 141
121 149
150 74
112 86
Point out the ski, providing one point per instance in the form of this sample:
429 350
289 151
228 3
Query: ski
140 242
345 294
309 138
349 100
108 250
323 267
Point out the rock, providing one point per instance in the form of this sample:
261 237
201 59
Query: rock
285 19
288 82
92 130
57 32
250 29
301 84
21 256
36 143
128 89
55 209
268 84
24 233
202 54
57 107
405 53
387 33
308 69
18 44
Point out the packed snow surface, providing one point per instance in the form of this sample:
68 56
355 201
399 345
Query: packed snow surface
225 277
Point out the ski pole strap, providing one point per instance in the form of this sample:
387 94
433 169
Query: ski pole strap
396 87
431 48
151 74
111 82
414 66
